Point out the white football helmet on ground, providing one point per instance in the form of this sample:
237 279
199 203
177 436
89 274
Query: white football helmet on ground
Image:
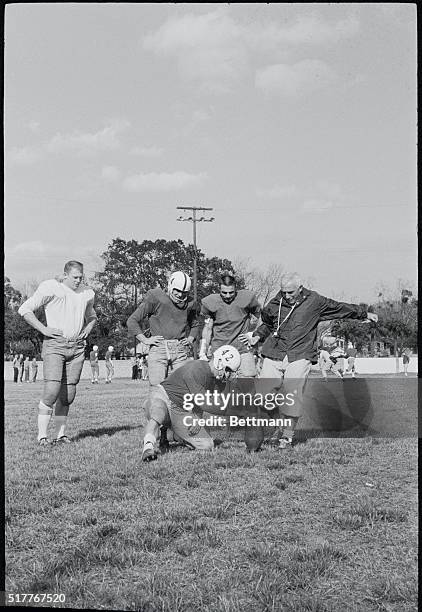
181 283
226 361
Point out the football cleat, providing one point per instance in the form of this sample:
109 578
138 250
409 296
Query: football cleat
149 454
285 443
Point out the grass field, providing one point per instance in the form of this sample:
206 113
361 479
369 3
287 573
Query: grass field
330 525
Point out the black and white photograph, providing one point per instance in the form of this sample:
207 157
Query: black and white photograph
210 307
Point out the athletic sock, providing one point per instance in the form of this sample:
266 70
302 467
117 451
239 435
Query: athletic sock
289 430
60 426
149 441
43 420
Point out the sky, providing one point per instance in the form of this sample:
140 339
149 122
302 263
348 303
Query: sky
295 123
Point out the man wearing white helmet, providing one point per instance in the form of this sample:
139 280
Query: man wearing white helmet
109 364
172 321
165 405
93 360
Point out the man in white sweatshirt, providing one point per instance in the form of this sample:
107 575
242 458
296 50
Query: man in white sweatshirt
70 316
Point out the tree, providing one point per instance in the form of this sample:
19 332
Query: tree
19 337
396 326
132 268
264 283
356 332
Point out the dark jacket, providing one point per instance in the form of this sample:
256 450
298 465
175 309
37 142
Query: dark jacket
297 336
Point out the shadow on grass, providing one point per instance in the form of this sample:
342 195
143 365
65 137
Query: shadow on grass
103 431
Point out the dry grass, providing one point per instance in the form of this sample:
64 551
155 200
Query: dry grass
223 531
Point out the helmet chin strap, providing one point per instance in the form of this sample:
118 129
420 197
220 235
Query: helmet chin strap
178 301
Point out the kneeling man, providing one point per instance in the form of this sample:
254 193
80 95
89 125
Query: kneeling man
165 406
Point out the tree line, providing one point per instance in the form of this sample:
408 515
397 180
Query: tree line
131 268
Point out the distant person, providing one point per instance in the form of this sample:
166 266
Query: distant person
324 362
337 356
15 364
134 361
144 367
351 358
406 361
95 368
70 315
109 364
289 336
34 370
26 366
21 367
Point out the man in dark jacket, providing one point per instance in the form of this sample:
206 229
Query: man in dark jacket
289 336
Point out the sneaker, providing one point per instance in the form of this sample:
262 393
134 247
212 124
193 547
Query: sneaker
43 442
62 440
149 454
285 443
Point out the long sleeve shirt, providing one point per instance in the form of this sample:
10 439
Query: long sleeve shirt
292 331
158 313
65 309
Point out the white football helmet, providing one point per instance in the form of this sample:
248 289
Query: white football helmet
111 348
226 361
181 282
95 347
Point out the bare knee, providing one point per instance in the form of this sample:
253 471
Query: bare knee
51 392
67 394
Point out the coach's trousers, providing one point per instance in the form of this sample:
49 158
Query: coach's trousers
287 378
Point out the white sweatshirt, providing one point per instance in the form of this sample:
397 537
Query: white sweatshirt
65 309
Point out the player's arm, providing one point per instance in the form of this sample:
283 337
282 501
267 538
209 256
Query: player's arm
330 309
192 325
206 337
27 310
254 310
266 327
206 323
90 320
138 321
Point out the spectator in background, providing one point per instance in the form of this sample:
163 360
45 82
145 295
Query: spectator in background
15 364
34 370
95 368
109 364
144 367
351 356
134 362
406 361
26 365
21 367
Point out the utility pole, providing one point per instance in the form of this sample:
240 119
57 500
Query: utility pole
194 220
